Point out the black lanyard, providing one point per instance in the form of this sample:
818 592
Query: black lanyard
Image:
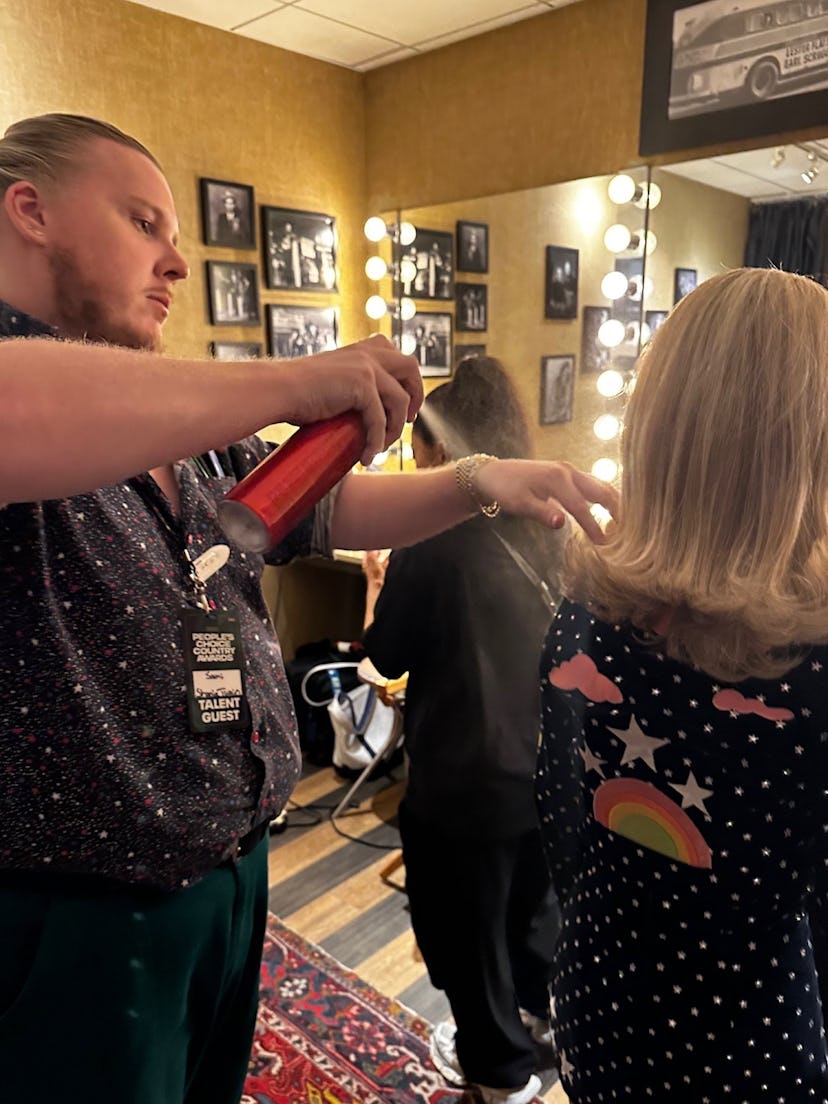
174 533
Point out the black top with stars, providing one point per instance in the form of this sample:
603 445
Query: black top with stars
101 775
685 823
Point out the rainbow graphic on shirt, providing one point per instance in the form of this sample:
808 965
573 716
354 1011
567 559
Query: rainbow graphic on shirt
641 813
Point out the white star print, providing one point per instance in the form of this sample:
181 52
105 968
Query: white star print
567 1069
638 744
591 762
692 794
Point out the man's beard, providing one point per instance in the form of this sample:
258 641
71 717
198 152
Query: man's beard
80 313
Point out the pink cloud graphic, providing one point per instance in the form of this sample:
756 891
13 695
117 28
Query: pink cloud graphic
731 701
580 673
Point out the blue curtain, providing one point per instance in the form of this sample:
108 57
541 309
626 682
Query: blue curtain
792 235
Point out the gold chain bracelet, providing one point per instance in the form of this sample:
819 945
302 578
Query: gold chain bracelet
465 472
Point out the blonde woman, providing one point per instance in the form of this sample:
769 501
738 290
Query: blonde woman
684 755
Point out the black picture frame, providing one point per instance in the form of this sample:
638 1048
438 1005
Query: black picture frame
472 246
679 107
685 280
557 389
295 330
299 250
235 350
432 253
463 351
561 301
472 307
654 318
431 331
595 357
227 213
233 293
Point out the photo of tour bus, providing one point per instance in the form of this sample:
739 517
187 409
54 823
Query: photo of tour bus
732 52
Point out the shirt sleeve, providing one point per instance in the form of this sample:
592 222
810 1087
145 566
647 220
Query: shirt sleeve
399 632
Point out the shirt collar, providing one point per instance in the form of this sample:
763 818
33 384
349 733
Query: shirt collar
16 323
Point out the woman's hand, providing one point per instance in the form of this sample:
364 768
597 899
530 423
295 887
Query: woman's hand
546 490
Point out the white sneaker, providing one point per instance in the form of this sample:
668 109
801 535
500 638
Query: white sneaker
539 1028
509 1096
443 1049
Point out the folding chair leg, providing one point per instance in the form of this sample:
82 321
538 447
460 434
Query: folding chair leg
386 747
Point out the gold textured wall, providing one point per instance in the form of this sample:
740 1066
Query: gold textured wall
556 97
207 103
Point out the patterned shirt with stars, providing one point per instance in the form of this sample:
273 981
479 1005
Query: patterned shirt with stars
101 775
685 823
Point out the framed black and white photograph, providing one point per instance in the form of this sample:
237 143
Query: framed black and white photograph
684 281
557 388
432 342
227 214
299 249
233 289
235 350
654 318
432 253
561 282
472 307
300 331
463 351
472 247
717 71
595 357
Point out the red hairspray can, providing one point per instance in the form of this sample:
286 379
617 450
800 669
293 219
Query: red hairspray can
284 488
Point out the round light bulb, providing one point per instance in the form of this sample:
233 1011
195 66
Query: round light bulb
325 238
408 308
646 333
653 195
407 453
375 229
614 285
379 459
408 232
408 344
617 237
605 469
621 188
408 271
375 306
375 268
610 383
606 427
611 333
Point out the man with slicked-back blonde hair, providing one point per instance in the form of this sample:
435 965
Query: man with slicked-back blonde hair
684 755
133 827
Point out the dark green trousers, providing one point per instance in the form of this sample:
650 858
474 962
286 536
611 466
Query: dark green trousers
109 994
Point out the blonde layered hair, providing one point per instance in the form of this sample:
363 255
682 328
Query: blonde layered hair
47 147
722 541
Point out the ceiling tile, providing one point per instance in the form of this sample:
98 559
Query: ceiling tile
411 21
326 39
518 13
215 13
386 59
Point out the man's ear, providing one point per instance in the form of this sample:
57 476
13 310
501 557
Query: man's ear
441 455
23 204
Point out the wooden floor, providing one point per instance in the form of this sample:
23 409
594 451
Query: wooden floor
328 888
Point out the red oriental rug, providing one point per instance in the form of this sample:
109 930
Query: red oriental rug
325 1037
